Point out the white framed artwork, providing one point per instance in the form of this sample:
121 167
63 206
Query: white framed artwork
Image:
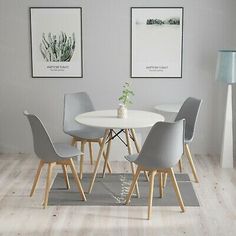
56 42
156 42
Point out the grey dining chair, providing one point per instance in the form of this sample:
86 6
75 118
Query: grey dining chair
75 104
189 111
161 151
52 154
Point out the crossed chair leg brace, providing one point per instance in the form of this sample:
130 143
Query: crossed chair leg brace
151 185
64 164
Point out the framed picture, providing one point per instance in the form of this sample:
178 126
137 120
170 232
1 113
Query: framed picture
56 42
156 42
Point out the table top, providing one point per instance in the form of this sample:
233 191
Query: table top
108 119
168 107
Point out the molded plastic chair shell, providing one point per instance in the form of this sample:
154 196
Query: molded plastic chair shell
189 111
75 104
44 148
163 146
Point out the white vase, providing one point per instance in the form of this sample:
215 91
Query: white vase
122 111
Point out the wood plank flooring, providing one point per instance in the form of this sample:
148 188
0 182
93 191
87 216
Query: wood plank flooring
22 215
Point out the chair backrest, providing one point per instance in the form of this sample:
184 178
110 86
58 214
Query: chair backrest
189 111
43 146
75 104
163 146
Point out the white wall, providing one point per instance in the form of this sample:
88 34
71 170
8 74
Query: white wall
209 25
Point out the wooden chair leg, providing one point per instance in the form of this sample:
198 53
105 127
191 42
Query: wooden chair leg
81 160
164 179
150 195
190 159
48 183
91 152
146 175
161 184
36 179
180 165
176 188
77 180
64 168
131 190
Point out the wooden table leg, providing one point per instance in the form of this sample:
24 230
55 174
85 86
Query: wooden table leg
135 140
104 156
138 149
98 159
81 160
132 164
91 152
164 179
107 154
160 184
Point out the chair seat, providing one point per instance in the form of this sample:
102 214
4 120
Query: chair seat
66 151
134 158
86 132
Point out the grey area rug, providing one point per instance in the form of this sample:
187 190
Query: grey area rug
112 191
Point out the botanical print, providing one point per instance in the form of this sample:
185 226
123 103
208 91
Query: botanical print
56 42
57 48
156 42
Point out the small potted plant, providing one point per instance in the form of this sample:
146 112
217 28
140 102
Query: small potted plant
125 99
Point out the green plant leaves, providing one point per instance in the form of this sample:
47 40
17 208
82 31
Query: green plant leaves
57 48
126 94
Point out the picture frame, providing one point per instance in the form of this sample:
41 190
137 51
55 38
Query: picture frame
156 42
56 42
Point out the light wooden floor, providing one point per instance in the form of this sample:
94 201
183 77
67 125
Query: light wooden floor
21 215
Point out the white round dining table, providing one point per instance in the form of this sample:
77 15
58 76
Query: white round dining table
108 120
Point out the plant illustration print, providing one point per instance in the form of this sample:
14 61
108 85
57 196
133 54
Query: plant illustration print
57 48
